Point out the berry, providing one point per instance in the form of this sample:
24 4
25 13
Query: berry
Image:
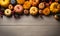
2 9
47 4
13 2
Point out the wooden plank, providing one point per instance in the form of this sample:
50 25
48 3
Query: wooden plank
30 30
29 20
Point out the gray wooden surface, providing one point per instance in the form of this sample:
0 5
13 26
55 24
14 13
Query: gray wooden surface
29 26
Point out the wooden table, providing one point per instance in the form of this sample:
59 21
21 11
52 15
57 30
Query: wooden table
29 26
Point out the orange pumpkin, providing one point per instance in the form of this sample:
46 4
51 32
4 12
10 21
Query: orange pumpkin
34 2
46 11
26 5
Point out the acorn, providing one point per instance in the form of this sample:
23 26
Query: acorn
57 16
40 12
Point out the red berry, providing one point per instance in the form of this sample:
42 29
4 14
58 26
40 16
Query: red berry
47 4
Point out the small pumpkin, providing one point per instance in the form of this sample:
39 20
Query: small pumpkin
33 10
41 5
4 3
26 5
53 7
10 6
34 2
46 11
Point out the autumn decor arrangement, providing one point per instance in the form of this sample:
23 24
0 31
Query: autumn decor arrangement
32 7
